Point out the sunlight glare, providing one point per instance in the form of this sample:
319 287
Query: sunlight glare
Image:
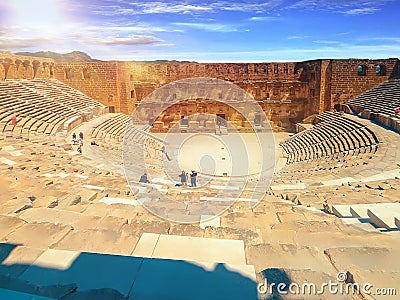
44 14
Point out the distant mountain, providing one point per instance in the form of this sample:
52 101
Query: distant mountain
74 56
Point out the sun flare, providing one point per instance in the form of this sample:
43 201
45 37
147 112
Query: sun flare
37 14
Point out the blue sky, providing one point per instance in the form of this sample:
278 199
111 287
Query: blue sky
204 31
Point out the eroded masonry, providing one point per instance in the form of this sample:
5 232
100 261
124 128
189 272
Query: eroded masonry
287 92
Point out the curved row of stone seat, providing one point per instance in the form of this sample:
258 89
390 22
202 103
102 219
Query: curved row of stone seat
56 91
114 130
40 112
334 134
384 98
30 117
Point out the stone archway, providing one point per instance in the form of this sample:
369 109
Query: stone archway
9 68
27 70
36 68
2 73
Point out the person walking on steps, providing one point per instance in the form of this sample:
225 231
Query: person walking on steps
81 137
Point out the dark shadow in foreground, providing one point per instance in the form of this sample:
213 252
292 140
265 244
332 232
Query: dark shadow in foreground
103 276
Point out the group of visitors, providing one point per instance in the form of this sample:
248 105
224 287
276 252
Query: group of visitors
75 141
185 176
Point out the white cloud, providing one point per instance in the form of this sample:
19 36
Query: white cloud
177 7
361 11
149 7
348 7
127 41
298 37
162 7
247 6
23 43
216 27
265 18
326 42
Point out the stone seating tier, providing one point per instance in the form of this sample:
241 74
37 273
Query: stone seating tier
42 106
333 134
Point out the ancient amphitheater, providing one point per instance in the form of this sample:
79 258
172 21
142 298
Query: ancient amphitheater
73 227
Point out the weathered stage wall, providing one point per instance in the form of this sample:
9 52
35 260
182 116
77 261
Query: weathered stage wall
287 92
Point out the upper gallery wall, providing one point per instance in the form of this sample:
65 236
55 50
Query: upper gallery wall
288 89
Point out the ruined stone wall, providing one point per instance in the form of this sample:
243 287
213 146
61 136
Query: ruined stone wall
24 67
286 91
274 84
311 72
98 80
346 83
163 73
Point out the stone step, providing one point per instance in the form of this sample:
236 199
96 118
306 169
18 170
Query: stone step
373 265
9 224
15 206
397 222
38 235
342 211
384 215
191 249
361 210
57 216
287 256
106 241
355 222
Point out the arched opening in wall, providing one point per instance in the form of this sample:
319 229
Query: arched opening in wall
285 69
18 63
131 77
35 65
292 91
132 94
2 72
86 73
381 70
275 69
26 63
69 73
27 69
202 114
362 70
45 68
312 94
336 107
6 64
51 70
